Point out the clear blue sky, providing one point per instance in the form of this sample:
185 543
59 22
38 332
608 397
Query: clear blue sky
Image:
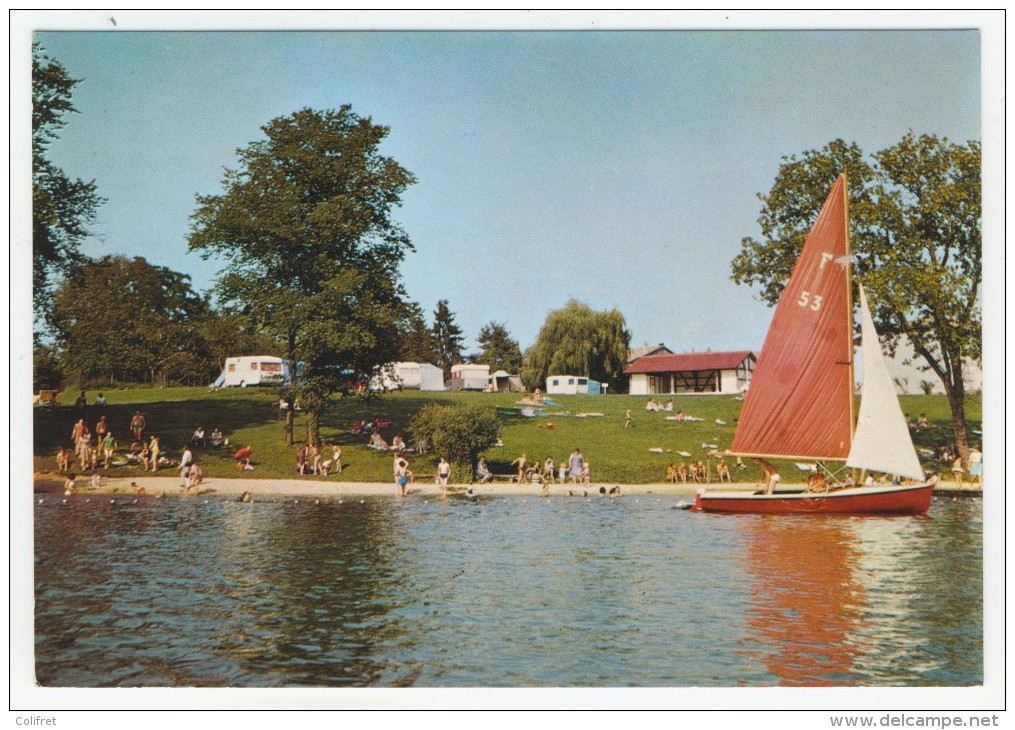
619 168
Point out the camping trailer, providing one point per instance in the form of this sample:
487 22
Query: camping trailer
572 385
469 376
413 375
253 370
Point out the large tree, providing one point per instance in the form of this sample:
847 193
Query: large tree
312 251
447 338
916 240
120 319
578 340
417 339
62 208
499 350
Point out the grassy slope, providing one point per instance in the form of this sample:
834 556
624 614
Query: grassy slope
248 417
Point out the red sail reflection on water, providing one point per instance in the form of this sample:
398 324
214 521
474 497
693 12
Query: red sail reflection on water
805 599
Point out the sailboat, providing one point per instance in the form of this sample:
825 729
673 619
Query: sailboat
800 405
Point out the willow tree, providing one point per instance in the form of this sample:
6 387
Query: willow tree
311 250
578 340
916 238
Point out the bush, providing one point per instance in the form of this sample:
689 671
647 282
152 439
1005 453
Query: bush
458 432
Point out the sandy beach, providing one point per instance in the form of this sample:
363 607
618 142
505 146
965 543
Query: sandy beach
311 487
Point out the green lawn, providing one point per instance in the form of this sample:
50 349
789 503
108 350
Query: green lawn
247 417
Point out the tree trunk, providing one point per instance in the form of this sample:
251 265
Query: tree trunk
957 401
289 424
313 425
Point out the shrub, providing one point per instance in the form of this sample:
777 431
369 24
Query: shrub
458 432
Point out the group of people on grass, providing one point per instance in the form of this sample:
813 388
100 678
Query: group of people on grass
313 459
696 472
100 445
577 468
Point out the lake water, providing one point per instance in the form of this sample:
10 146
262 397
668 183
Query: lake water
500 592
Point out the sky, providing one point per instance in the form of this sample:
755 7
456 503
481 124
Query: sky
620 168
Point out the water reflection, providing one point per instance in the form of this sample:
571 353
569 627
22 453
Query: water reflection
868 601
499 592
805 596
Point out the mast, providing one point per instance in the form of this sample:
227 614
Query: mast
849 305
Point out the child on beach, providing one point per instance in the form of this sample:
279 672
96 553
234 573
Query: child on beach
443 474
548 470
70 484
96 481
108 447
63 459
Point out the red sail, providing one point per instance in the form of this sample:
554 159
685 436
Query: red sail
800 400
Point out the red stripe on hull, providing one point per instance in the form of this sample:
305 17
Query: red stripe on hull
914 501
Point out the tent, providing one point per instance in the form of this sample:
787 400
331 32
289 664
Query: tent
502 382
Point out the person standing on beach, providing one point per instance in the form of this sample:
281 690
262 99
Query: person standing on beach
101 429
549 470
443 474
154 451
137 425
401 471
186 460
577 466
108 447
78 434
336 458
975 467
522 461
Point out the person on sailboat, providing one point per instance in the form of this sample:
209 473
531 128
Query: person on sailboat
817 482
772 477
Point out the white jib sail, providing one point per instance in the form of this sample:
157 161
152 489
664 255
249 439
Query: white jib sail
882 441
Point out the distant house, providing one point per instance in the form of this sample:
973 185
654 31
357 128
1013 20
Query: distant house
905 369
572 385
646 349
694 372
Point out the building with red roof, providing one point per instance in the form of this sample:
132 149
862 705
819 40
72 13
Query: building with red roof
691 372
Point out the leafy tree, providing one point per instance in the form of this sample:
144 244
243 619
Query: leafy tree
228 333
312 252
500 351
916 240
458 432
121 319
61 208
46 370
447 338
577 340
417 339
